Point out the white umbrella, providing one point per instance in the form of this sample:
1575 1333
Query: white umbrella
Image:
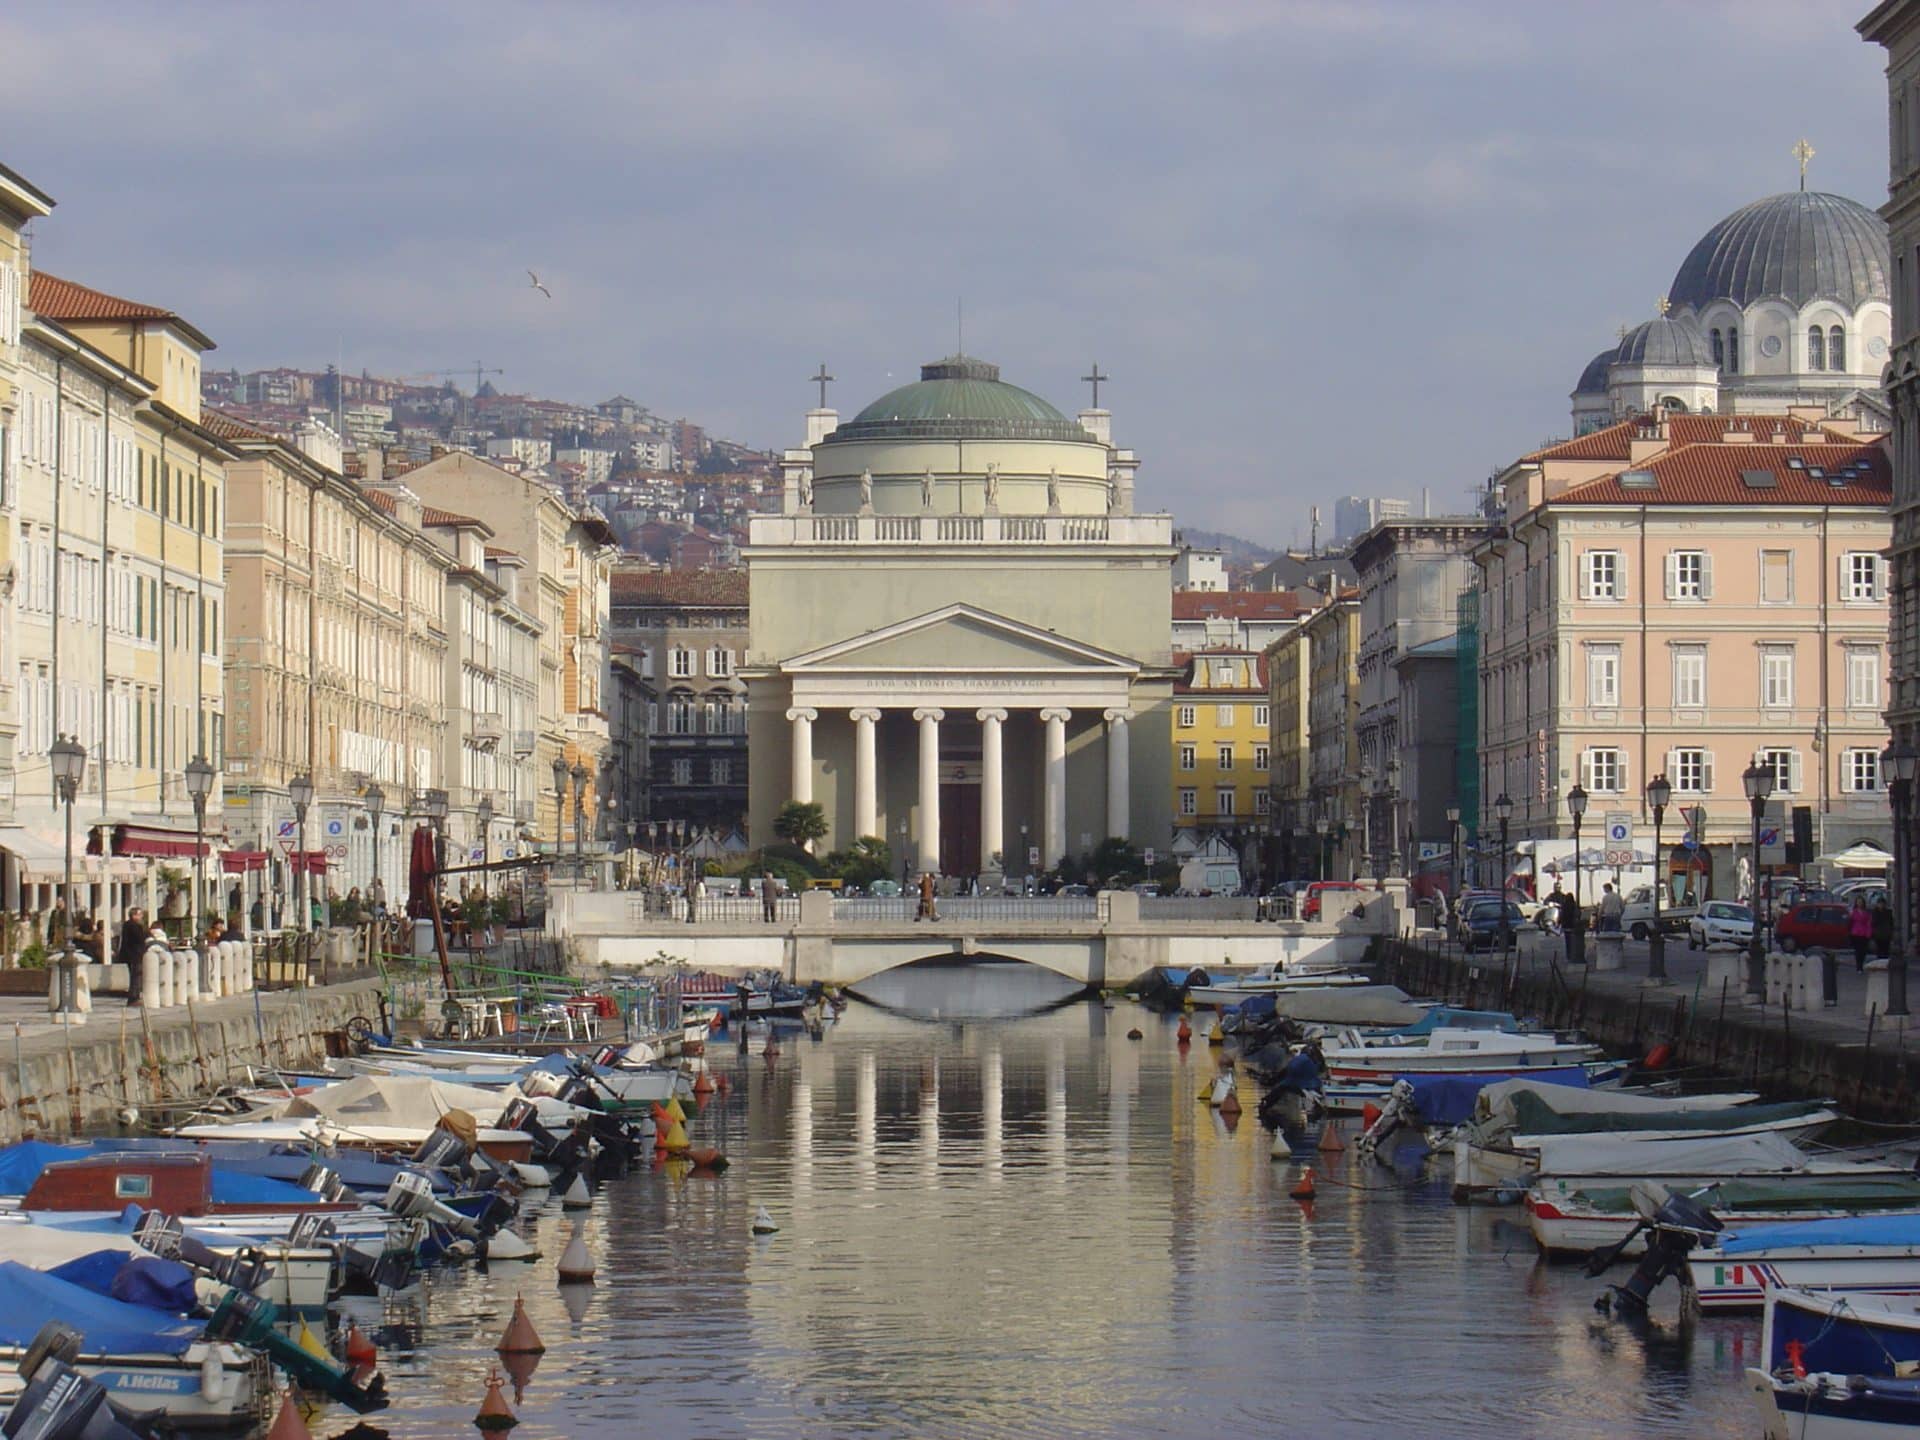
1861 855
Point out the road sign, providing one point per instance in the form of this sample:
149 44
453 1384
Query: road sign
1146 857
1033 856
336 852
1433 850
1773 834
1618 831
478 854
285 835
336 828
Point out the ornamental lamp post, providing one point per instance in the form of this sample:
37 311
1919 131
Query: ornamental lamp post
68 759
300 792
483 812
1322 827
1577 936
199 776
579 820
434 803
1899 762
1757 780
1659 792
375 799
903 850
560 774
1503 808
633 827
1453 851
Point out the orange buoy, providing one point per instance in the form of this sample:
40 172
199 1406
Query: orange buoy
1369 1113
661 1118
1303 1187
1230 1105
703 1084
360 1351
710 1160
1330 1141
723 1084
1658 1057
496 1417
521 1338
1184 1032
288 1425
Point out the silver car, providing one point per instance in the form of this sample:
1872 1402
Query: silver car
1720 922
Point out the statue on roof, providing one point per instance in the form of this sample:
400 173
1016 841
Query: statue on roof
1053 490
866 489
806 489
926 489
993 485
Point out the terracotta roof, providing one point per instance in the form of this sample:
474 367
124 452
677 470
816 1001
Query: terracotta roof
1241 604
1714 475
382 500
1610 442
228 427
431 516
680 587
494 552
68 300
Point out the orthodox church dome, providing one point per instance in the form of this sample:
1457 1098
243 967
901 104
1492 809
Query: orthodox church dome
1593 379
960 398
1665 340
1800 247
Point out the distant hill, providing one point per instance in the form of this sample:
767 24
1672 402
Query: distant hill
1233 550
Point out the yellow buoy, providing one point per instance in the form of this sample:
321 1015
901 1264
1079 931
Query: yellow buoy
676 1142
675 1111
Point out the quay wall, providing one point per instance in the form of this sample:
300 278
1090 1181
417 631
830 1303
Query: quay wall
61 1080
1872 1074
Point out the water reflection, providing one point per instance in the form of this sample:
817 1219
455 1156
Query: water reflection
1032 1227
980 989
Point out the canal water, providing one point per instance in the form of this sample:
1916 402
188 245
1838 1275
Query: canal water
1027 1226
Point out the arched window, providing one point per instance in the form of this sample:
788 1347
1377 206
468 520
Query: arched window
1719 350
1733 349
1673 403
1836 348
1816 348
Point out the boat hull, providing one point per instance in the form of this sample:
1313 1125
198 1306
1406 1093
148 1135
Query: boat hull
1569 1231
1742 1282
1823 1407
212 1388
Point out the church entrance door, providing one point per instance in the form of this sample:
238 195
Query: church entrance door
959 827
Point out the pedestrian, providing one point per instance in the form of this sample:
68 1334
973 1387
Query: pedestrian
133 952
57 927
694 897
1882 928
926 911
766 896
1611 908
257 917
377 896
1860 931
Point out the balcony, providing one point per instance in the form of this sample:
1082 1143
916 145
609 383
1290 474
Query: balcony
810 529
585 726
486 728
523 743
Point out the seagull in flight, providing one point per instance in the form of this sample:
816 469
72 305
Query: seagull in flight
538 286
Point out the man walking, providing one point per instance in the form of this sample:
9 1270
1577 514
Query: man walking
133 952
767 897
1611 908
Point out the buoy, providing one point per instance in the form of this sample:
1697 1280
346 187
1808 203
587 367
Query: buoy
496 1417
360 1351
712 1161
1303 1187
1222 1088
578 1299
661 1119
288 1425
703 1084
1330 1141
763 1222
1658 1057
1184 1032
521 1338
520 1368
1369 1113
576 1265
723 1084
675 1111
1216 1036
1134 1034
1230 1105
311 1343
675 1141
577 1196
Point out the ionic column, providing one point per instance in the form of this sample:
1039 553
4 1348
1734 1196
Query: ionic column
1119 773
802 720
1054 842
929 788
992 819
865 810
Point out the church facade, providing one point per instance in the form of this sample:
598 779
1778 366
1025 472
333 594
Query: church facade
958 631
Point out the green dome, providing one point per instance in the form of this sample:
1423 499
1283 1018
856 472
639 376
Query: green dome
960 398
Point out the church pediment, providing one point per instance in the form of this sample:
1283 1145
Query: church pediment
961 638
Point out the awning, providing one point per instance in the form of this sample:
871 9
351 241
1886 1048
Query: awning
155 841
314 862
39 856
1861 855
239 862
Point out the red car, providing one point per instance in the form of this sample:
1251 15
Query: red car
1814 925
1310 906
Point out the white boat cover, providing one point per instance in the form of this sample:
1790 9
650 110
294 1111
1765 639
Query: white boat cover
1496 1101
398 1101
1767 1153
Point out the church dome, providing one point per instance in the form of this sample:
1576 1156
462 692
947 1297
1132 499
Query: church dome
1799 247
960 398
1593 379
1667 340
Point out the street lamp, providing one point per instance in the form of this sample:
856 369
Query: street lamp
1899 761
375 799
1659 792
560 773
1503 808
483 812
300 792
1322 826
434 804
633 827
1758 782
199 787
1453 851
1026 861
1576 937
68 757
579 819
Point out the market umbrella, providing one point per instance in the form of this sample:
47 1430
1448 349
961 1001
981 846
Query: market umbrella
1861 855
420 875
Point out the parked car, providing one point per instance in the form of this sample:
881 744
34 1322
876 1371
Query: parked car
884 889
1076 891
1636 914
1814 924
1310 908
1870 891
1720 922
1532 911
1479 923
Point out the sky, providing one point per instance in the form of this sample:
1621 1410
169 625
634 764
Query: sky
1321 248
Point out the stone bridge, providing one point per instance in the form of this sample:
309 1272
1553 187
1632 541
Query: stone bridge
1105 940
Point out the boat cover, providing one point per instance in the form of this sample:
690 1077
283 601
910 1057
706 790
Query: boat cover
400 1101
1348 1005
238 1187
29 1298
132 1276
1451 1017
21 1164
1632 1158
1888 1230
1449 1099
1786 1192
1533 1112
1254 1007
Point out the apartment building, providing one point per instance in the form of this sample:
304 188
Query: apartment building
1333 737
1222 735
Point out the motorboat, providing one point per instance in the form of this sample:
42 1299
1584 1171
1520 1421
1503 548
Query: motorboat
1352 1097
1316 973
1865 1255
1356 1055
1582 1221
1832 1366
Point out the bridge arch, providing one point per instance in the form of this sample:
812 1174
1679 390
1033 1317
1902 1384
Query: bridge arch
851 959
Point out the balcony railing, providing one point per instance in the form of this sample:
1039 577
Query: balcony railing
810 529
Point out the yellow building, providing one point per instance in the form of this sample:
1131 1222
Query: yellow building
1333 737
1291 856
1221 738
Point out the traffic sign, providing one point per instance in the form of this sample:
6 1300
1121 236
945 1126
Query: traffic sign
1146 857
1033 856
336 852
1619 837
1773 834
336 827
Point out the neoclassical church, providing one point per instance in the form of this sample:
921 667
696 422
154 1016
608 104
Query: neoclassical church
958 633
1787 301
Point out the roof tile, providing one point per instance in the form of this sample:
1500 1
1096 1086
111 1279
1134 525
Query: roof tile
1711 475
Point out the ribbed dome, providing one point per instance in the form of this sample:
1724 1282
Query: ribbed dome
1667 340
1799 247
960 398
1593 379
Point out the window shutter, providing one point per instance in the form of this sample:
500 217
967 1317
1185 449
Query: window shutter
1620 574
1706 771
1624 782
1846 564
1673 574
1846 772
1879 577
1586 575
1586 770
1793 771
1673 768
1706 574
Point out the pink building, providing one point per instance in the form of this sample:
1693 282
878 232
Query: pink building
1685 595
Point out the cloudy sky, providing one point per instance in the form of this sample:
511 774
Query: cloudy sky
1321 247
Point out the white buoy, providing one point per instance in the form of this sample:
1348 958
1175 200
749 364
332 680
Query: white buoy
577 1196
763 1222
576 1265
1222 1088
503 1244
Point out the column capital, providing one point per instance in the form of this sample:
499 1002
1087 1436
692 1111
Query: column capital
864 712
803 712
1056 713
929 712
998 716
1116 717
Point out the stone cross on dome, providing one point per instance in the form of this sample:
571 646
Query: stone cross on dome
823 379
1803 152
1093 378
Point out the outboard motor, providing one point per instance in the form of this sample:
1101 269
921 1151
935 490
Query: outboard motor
442 1150
59 1403
411 1197
245 1269
1676 1225
326 1183
242 1319
559 1151
1396 1113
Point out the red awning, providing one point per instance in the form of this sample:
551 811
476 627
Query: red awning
150 840
314 862
238 862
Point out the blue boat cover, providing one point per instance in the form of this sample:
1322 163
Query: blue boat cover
30 1298
1254 1007
1450 1017
236 1187
133 1277
1449 1099
22 1162
1847 1230
1301 1073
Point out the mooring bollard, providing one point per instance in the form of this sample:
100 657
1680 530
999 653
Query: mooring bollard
186 976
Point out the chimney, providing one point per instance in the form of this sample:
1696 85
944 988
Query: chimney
373 464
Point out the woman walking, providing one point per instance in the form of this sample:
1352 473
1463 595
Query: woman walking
1860 931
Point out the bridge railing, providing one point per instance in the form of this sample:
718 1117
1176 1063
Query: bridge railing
1199 907
1037 909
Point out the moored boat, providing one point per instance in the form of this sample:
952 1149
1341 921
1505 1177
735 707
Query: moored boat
1867 1255
1582 1221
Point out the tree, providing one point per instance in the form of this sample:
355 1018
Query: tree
866 860
800 822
